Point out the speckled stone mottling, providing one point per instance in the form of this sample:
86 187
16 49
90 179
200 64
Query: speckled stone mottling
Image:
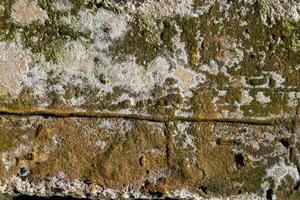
150 99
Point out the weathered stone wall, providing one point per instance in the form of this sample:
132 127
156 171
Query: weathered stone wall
146 99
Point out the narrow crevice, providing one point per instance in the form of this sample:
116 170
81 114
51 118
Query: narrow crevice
269 195
239 160
79 114
168 136
285 143
203 189
297 186
294 148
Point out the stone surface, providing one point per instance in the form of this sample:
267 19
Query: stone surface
147 99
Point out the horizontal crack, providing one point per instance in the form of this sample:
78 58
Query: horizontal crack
83 114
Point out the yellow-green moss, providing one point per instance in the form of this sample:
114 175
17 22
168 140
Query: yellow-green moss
143 40
25 100
49 38
7 28
275 106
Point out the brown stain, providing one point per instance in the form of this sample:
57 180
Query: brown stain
195 55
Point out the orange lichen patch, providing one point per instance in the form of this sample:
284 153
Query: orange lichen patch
213 165
133 158
193 168
72 153
2 173
13 141
7 141
202 103
97 155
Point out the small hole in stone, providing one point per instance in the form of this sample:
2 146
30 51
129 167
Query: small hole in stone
218 141
96 60
297 187
239 160
203 189
141 161
23 170
269 194
39 130
156 194
147 183
29 156
240 192
285 143
99 5
244 130
147 171
252 56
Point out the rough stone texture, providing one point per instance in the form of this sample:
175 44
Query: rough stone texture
150 99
